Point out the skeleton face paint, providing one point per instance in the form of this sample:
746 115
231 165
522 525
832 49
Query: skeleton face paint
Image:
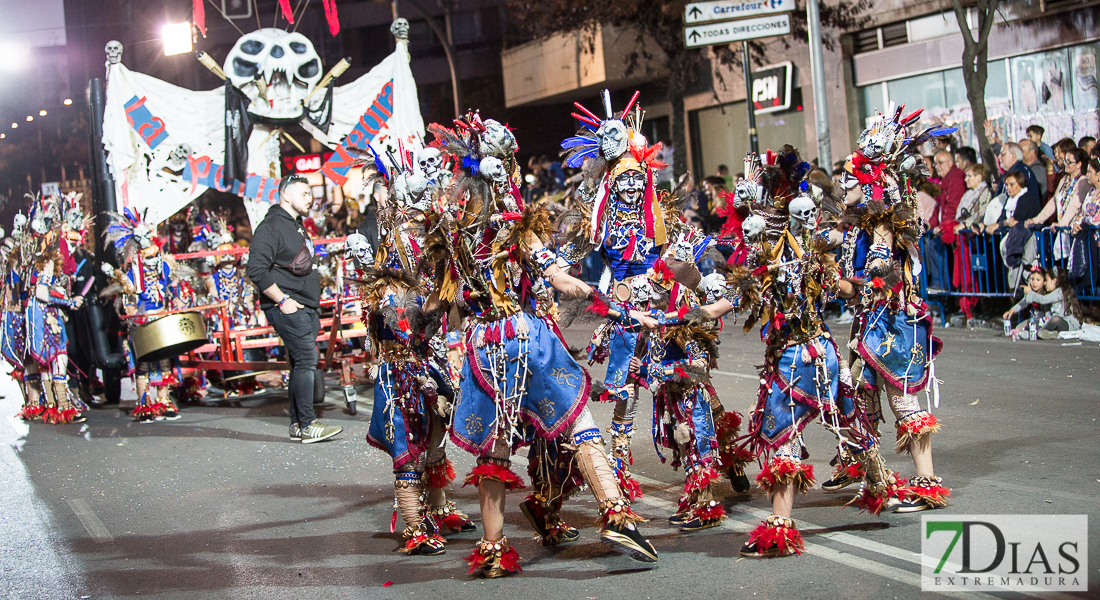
629 185
276 70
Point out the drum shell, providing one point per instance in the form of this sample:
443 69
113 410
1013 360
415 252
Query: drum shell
168 337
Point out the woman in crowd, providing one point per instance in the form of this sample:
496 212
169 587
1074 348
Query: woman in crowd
1067 199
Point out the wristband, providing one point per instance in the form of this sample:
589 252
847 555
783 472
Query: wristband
280 302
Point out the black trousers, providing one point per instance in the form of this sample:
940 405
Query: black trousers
299 333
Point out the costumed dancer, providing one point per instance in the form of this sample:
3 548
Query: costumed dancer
13 346
788 275
57 226
621 216
893 347
146 286
412 394
519 384
227 284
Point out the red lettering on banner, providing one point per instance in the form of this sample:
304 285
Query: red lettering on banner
373 126
380 108
218 183
339 160
131 108
149 136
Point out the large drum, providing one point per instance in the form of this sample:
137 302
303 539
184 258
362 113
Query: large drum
168 337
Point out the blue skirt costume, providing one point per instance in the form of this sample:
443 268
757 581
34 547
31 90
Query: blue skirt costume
542 390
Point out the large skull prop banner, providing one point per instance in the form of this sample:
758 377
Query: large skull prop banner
276 70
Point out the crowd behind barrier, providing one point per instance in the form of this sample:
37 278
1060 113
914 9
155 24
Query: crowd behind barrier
974 266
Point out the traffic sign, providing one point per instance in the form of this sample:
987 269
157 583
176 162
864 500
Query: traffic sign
736 31
722 10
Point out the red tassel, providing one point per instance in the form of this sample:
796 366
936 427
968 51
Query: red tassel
284 5
30 413
598 306
710 512
509 331
453 522
504 475
51 415
198 15
787 539
393 521
512 216
440 475
760 271
331 16
630 488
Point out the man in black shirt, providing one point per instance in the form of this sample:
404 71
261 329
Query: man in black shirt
281 264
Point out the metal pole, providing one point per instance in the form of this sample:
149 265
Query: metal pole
821 107
448 49
754 140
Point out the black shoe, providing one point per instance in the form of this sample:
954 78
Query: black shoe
679 518
912 506
429 548
533 511
146 418
697 524
738 479
755 551
78 418
171 415
630 541
838 482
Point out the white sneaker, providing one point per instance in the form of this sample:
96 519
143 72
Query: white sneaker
318 432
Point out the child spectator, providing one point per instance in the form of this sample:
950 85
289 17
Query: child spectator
1055 295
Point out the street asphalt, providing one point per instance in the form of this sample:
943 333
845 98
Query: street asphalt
221 504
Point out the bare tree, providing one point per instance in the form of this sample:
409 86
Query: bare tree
974 67
663 22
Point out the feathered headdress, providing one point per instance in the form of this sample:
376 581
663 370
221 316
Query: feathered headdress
622 148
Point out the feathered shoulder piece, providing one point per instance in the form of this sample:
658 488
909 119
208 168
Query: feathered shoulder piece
533 221
376 280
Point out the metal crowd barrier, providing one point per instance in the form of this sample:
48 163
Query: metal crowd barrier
974 265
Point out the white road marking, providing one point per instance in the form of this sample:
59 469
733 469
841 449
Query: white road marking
729 374
91 522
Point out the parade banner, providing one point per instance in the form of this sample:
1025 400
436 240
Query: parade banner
166 144
380 108
151 130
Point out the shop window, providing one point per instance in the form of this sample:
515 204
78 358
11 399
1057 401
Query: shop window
921 91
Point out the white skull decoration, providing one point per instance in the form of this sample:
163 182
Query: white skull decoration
357 247
613 138
713 287
493 168
114 52
753 226
430 161
497 140
276 70
683 251
177 158
400 29
747 192
143 235
108 269
641 291
803 211
409 189
18 223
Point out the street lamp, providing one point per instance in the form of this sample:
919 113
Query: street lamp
68 101
15 125
29 118
177 38
16 55
42 113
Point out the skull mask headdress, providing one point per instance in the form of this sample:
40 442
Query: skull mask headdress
277 70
